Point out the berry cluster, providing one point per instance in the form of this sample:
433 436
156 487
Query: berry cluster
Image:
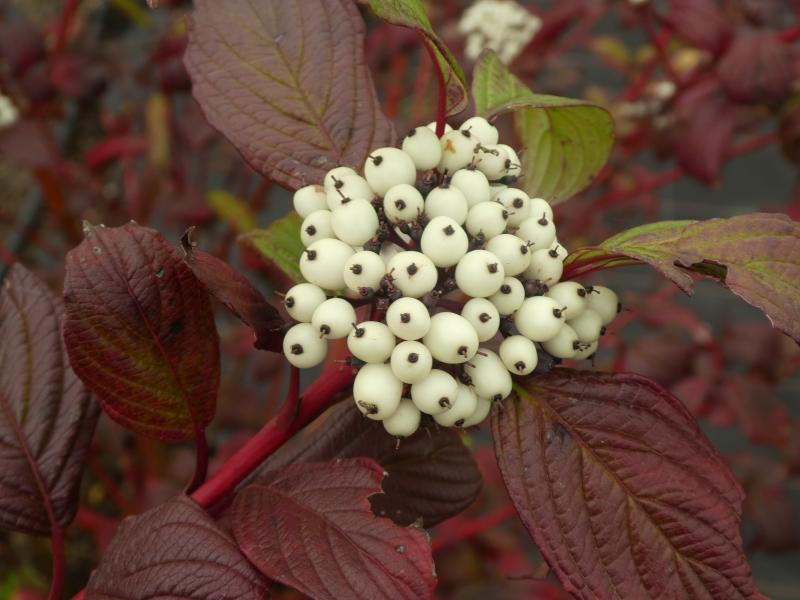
451 260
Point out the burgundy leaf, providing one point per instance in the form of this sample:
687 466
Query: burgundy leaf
707 120
233 289
174 551
431 475
47 416
287 84
310 526
757 67
700 22
620 489
140 332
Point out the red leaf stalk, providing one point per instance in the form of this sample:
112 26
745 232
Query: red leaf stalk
441 104
201 460
57 541
468 529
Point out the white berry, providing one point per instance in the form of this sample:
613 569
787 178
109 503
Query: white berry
539 318
448 202
518 354
302 300
488 219
546 266
331 176
308 199
405 420
377 391
323 262
411 361
371 341
513 164
564 345
364 269
458 150
586 351
408 318
509 297
604 301
489 375
479 274
413 273
513 252
355 222
588 326
464 407
388 167
422 145
541 207
492 161
473 184
348 187
316 226
451 339
444 241
483 316
479 127
570 294
303 347
517 203
482 409
538 230
435 393
403 203
334 318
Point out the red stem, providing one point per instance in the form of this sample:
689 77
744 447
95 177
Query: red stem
201 460
318 397
57 541
291 405
789 36
64 24
441 105
468 529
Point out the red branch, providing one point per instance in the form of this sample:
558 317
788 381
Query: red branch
441 105
201 460
460 529
57 540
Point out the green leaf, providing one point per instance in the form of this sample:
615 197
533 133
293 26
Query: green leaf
280 244
756 256
566 142
234 211
411 14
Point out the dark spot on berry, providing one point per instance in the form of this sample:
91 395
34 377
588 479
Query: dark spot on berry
462 350
459 423
505 288
518 203
492 267
543 221
359 332
576 345
346 200
484 317
413 357
603 330
507 180
405 317
311 254
507 163
400 204
553 253
497 397
619 307
369 408
412 269
296 349
581 292
449 230
519 366
558 313
523 249
289 301
444 402
412 133
338 183
505 215
377 160
324 329
357 269
311 230
466 133
465 378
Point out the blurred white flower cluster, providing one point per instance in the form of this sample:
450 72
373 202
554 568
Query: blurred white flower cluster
501 25
8 112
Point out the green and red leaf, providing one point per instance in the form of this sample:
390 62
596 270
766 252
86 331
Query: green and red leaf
279 244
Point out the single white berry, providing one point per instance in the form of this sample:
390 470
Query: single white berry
513 164
539 318
444 241
560 249
513 252
432 126
538 230
518 354
377 391
308 199
587 351
403 203
546 266
371 341
588 326
488 219
479 274
422 145
451 339
571 295
405 420
483 316
564 345
303 347
489 375
482 409
509 297
348 187
492 161
355 222
316 226
465 405
479 127
473 184
413 273
334 318
539 207
446 202
458 150
364 269
408 318
517 203
337 173
411 361
323 262
302 300
388 167
604 301
435 393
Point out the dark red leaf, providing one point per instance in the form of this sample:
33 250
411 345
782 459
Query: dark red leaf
431 476
174 551
47 416
310 527
233 289
707 120
620 489
287 84
700 22
757 67
140 331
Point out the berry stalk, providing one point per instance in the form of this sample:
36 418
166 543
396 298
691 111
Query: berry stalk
441 104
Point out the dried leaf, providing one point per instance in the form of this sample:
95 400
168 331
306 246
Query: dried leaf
47 416
620 489
140 332
287 84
